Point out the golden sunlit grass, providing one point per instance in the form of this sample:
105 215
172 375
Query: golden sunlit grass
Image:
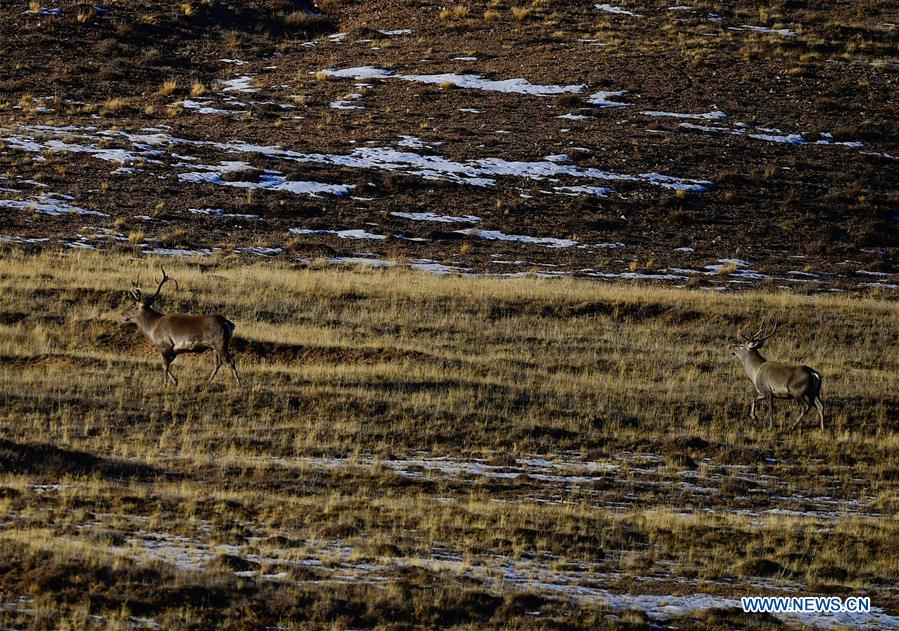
586 354
168 87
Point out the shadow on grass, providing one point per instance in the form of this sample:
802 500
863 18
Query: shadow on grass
53 462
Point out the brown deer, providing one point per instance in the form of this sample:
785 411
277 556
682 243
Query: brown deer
776 380
178 333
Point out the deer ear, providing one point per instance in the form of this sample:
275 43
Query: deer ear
757 344
135 293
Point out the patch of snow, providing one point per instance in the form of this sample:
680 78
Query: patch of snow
270 182
513 86
713 115
243 83
764 29
597 191
362 73
46 205
467 81
202 108
343 234
778 137
179 252
611 8
412 142
218 212
359 260
427 216
496 235
126 171
433 267
259 251
879 285
604 99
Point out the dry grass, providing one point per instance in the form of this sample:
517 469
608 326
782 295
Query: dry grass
373 365
168 87
572 355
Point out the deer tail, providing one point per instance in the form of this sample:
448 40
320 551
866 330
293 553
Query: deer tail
818 381
231 326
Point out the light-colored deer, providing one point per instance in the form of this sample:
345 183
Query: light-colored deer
776 380
178 333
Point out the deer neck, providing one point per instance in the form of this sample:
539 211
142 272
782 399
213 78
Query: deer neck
752 361
146 319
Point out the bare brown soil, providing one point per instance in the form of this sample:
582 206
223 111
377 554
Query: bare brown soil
806 216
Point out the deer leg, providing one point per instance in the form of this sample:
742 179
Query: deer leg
805 407
167 359
752 414
231 364
770 411
820 406
216 364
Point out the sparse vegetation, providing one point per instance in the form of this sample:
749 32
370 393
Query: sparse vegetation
168 87
460 368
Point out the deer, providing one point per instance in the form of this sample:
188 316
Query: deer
777 380
176 333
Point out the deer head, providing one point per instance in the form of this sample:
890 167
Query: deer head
142 304
752 342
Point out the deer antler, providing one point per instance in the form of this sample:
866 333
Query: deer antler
165 277
754 336
136 293
773 331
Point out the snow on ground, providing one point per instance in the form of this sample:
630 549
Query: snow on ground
576 191
259 251
433 267
713 115
218 212
343 234
612 8
46 205
201 107
605 99
426 216
349 102
496 235
477 172
772 135
269 182
764 29
467 81
243 83
180 252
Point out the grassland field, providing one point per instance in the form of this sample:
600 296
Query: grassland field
412 450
